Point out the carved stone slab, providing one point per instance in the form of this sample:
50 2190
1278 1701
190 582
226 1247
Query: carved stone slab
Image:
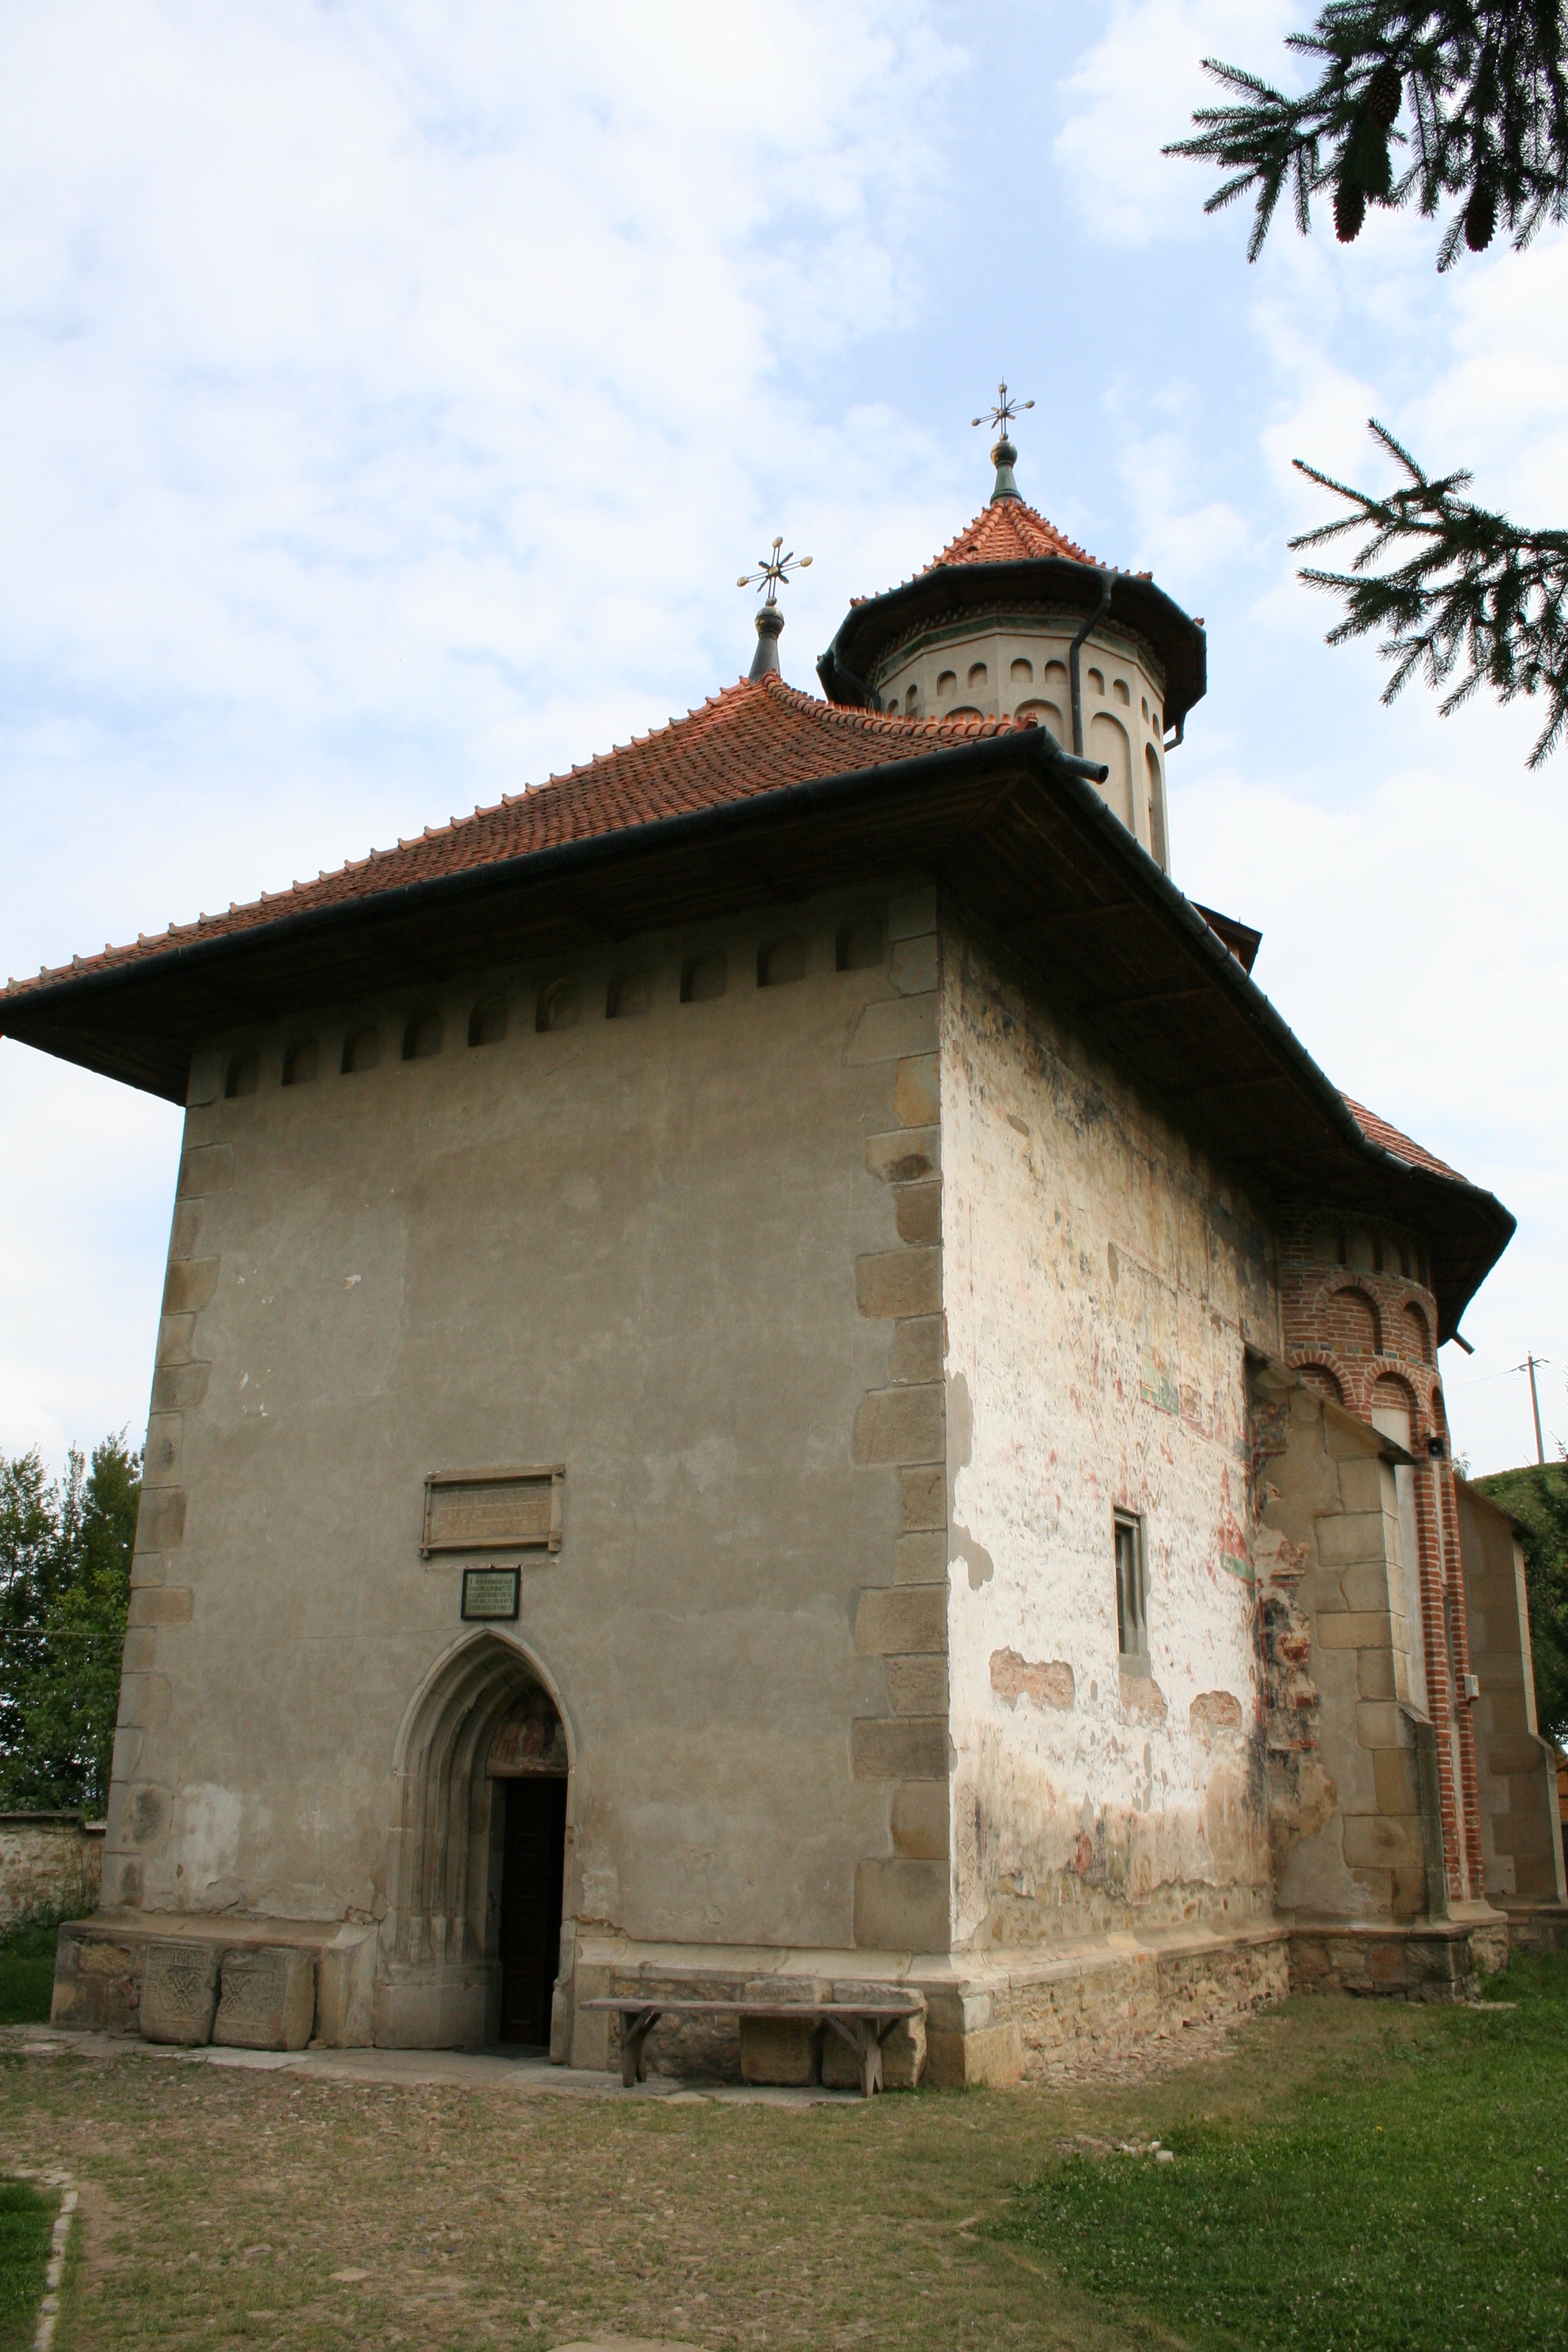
493 1510
179 1992
268 1998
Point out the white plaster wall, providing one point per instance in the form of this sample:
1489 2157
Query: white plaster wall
1025 664
628 1246
1101 1283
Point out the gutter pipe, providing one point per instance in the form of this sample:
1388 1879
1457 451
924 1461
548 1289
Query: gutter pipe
1073 673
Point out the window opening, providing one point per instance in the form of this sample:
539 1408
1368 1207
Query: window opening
1131 1595
486 1021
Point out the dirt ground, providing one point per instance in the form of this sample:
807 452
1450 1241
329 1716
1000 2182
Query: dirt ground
226 2208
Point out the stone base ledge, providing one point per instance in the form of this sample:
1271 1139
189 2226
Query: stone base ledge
996 2017
1415 1959
100 1963
1536 1926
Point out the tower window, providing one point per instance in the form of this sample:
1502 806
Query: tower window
1131 1595
244 1075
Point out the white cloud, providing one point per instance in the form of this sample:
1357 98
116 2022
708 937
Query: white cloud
1136 89
392 394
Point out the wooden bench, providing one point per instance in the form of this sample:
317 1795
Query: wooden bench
864 2025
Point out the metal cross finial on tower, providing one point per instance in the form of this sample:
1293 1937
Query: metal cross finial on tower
1003 414
773 571
1003 452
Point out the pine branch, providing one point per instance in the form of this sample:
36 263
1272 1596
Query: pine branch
1486 87
1470 588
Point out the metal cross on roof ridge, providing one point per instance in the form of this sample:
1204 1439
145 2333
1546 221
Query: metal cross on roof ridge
1004 411
775 569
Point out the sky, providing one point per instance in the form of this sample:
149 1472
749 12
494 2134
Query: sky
391 392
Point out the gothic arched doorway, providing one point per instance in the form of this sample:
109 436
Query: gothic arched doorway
527 1771
477 1855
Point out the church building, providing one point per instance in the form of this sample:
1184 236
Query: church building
780 1383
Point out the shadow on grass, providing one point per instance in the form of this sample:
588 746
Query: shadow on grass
1416 2200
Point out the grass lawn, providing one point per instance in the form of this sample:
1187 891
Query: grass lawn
1350 2175
1422 2203
26 1976
26 2220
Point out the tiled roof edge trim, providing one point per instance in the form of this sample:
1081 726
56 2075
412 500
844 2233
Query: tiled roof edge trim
1263 1016
1023 744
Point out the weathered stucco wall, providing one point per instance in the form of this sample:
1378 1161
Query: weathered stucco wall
629 1244
1101 1285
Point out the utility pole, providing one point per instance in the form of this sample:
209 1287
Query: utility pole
1535 1408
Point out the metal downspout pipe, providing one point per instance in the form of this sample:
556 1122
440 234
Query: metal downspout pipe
1075 678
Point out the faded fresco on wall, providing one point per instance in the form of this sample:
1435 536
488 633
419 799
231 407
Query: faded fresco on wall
1101 1286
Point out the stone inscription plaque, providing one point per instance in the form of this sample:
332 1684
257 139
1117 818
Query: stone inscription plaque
493 1510
491 1595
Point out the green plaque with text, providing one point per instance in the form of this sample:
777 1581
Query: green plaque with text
490 1595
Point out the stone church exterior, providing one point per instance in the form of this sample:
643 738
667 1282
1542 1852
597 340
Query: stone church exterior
778 1378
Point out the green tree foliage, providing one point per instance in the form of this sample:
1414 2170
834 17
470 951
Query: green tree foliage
1481 92
64 1576
1485 91
1537 1498
1470 586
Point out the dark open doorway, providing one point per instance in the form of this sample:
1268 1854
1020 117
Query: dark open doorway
534 1863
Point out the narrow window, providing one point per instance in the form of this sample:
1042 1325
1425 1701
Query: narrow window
422 1037
299 1062
628 995
781 960
244 1075
486 1021
1131 1595
703 978
860 943
362 1050
559 1006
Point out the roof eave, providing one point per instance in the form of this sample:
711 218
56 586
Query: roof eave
1175 635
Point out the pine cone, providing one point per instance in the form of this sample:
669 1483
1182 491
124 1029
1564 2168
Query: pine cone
1350 211
1384 94
1480 219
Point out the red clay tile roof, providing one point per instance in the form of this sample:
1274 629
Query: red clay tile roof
750 738
1388 1139
1009 531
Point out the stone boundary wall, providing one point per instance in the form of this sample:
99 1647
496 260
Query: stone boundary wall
50 1865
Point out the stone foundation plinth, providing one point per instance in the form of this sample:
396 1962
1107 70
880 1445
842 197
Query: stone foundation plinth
1419 1959
995 2018
1536 1926
101 1967
1022 2015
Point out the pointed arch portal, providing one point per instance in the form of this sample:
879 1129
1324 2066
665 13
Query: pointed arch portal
475 1853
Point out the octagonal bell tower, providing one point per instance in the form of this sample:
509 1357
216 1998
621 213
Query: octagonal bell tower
1012 619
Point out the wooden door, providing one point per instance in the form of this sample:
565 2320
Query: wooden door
531 1870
